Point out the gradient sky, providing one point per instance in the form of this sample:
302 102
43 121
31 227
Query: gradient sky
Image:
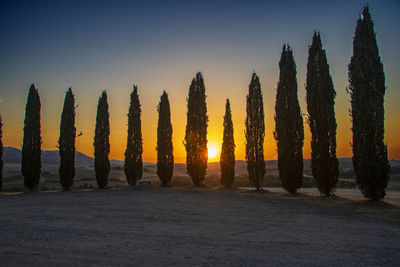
157 45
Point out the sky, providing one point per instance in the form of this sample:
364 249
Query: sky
93 46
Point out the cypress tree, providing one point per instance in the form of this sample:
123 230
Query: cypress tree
255 132
66 142
196 131
289 131
101 142
165 156
227 160
134 146
320 105
31 153
1 154
367 91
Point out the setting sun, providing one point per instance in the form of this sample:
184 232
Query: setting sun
213 151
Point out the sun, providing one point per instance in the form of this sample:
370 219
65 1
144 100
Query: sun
212 153
213 150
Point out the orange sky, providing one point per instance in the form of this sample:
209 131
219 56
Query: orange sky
216 91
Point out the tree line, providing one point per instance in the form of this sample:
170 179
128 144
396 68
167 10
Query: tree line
366 89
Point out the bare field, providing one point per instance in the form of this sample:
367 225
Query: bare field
190 226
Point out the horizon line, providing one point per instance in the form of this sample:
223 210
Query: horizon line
179 162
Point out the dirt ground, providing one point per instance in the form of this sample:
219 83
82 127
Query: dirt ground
189 226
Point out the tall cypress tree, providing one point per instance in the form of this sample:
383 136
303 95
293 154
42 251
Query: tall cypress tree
66 142
1 154
31 153
367 91
101 142
165 156
196 131
255 133
322 122
227 160
134 145
289 131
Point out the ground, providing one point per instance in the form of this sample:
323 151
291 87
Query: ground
190 226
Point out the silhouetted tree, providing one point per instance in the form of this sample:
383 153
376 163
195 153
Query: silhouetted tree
101 142
165 156
289 131
66 142
134 145
196 131
1 154
227 160
255 133
367 91
31 153
320 105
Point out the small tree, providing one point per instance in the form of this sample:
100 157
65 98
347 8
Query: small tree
289 131
134 146
101 142
1 154
165 156
322 122
31 153
227 160
367 90
255 132
196 131
66 142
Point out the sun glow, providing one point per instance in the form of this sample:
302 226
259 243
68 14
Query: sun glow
213 151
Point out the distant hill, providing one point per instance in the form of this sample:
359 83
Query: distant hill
12 155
